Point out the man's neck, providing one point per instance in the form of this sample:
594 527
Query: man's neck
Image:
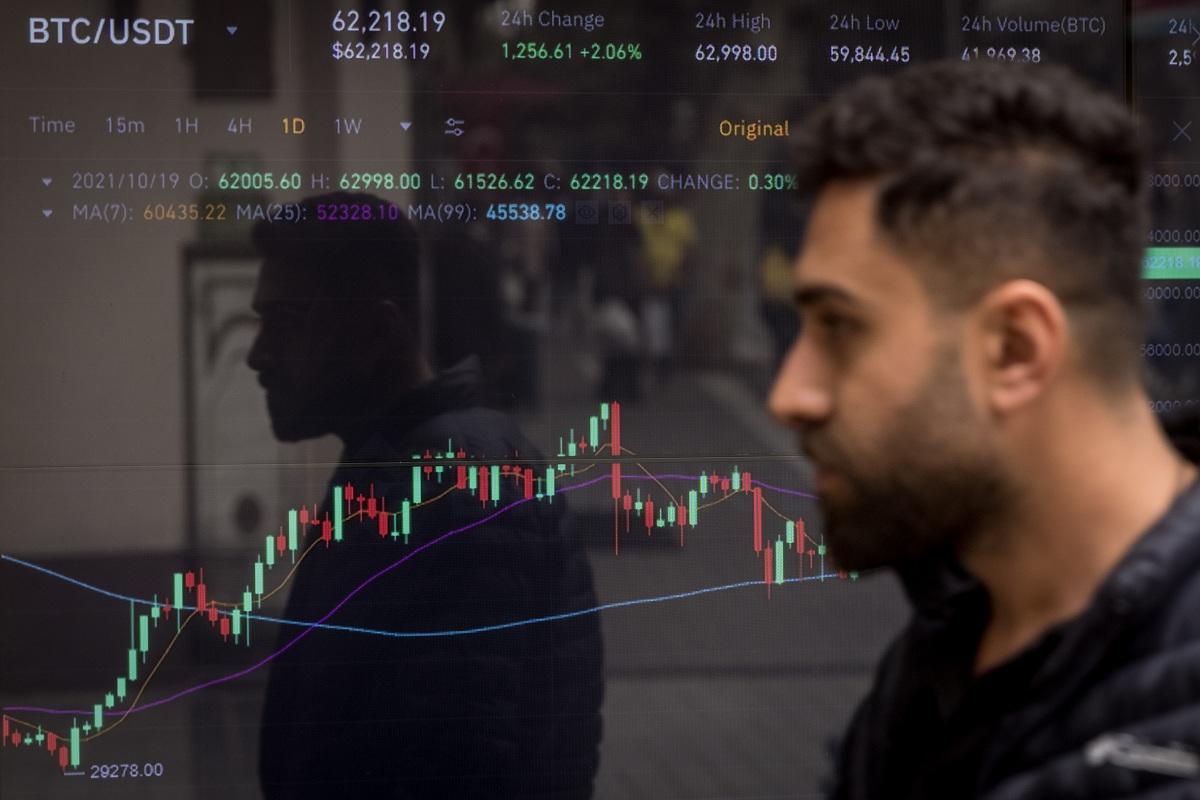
392 384
1094 483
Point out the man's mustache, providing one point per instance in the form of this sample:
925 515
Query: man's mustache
818 448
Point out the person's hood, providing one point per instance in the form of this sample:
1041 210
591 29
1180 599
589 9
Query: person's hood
454 388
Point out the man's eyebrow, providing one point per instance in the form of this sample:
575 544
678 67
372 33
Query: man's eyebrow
811 295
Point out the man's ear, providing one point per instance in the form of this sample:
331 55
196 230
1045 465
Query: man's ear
1022 334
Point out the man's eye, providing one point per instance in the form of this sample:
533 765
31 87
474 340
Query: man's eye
835 324
828 325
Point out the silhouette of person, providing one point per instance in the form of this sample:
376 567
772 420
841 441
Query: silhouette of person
507 713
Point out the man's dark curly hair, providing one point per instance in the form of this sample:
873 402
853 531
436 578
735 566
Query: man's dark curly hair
989 172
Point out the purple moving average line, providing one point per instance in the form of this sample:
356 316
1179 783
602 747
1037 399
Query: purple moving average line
267 659
313 626
781 490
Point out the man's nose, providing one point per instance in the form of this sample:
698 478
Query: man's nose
801 392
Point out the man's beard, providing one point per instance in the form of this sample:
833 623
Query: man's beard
930 481
296 417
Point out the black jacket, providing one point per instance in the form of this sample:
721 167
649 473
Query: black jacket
511 713
1106 705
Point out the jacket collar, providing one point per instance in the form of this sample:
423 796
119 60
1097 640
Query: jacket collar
454 388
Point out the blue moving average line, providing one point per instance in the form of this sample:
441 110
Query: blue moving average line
428 634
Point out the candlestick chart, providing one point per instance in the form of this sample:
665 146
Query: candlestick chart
644 503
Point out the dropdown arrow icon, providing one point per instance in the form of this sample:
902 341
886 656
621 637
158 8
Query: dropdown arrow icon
46 212
232 29
46 181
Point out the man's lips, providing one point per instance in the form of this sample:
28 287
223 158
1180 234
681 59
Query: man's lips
825 475
268 384
824 478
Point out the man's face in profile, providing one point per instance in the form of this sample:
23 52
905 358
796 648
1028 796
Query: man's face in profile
876 387
305 352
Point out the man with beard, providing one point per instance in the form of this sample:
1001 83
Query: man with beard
967 385
504 713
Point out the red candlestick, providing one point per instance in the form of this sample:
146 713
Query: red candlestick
758 545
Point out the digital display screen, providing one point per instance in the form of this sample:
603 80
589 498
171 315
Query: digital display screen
248 550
